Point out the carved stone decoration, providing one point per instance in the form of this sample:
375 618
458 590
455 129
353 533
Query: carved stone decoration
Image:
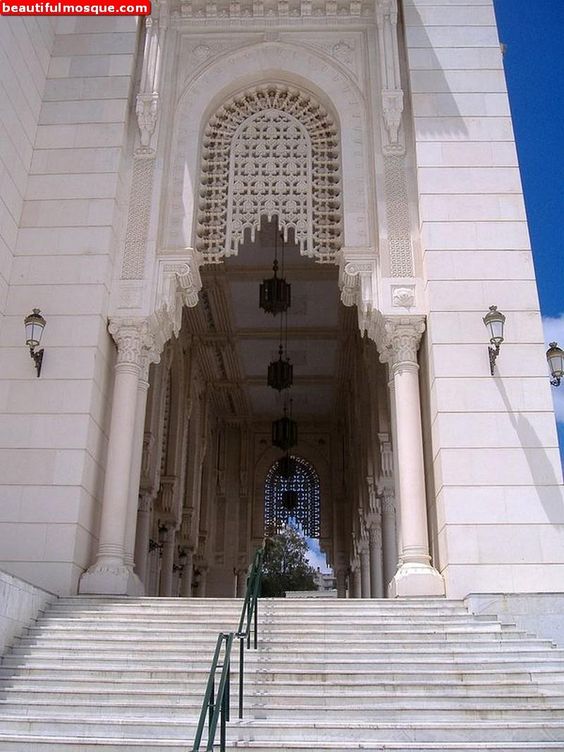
392 94
205 10
133 264
403 297
386 455
270 151
357 281
392 108
165 500
147 110
397 215
178 285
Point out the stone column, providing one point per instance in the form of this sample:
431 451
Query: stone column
356 580
135 473
364 571
187 574
341 578
415 576
396 470
110 574
142 537
167 561
389 537
375 548
202 587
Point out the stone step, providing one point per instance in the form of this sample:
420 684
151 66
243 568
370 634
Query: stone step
321 629
176 645
503 672
282 604
452 685
387 627
275 704
132 693
15 743
480 728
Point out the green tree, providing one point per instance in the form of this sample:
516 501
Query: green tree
285 565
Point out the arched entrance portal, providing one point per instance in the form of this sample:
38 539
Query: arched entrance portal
270 165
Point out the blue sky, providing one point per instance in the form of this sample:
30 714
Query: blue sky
533 32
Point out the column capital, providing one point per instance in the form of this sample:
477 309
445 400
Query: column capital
397 339
134 342
386 10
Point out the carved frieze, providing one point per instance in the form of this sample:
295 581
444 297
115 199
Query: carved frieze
220 10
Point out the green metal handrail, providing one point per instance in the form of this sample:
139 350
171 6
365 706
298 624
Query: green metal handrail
249 616
216 704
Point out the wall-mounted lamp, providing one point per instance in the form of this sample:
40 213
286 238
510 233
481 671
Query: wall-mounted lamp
494 321
34 326
555 358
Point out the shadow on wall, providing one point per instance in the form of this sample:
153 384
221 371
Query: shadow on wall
545 480
434 108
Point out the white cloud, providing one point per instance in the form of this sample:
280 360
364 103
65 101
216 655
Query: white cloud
314 555
554 332
554 329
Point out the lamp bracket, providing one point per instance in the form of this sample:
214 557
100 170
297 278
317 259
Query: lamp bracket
493 353
37 357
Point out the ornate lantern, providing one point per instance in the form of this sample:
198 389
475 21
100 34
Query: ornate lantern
555 358
494 321
280 373
284 433
275 294
34 326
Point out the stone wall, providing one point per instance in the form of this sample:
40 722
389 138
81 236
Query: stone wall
25 49
72 101
20 603
495 461
541 614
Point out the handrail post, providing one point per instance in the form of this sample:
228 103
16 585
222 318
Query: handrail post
241 674
256 623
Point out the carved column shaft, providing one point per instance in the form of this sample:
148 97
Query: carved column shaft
365 572
142 538
109 574
415 576
375 548
136 460
357 582
389 538
167 562
202 586
341 578
187 575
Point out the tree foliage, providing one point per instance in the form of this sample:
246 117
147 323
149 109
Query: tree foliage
285 565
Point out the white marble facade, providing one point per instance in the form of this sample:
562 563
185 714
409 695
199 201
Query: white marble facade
103 147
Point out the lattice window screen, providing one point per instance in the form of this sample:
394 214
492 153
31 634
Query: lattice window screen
307 513
270 151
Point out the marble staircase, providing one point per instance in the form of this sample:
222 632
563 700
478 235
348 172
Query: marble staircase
123 675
